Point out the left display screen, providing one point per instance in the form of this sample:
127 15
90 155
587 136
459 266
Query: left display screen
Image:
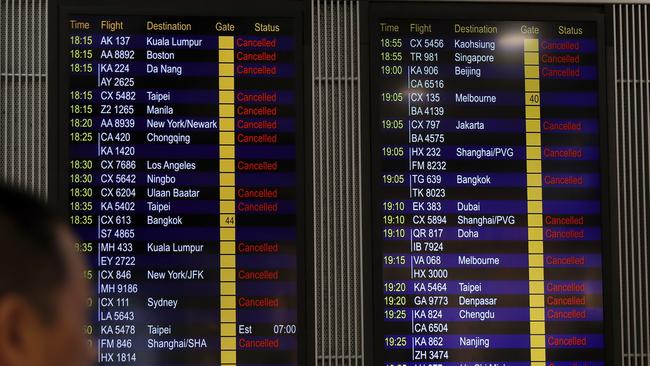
183 177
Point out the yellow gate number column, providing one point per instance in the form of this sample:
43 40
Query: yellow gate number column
227 259
534 200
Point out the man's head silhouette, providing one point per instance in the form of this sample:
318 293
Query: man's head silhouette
43 297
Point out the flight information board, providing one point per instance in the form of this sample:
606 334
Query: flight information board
487 186
182 167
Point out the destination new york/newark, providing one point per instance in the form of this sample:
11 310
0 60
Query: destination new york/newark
188 123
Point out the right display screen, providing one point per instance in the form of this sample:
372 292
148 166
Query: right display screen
487 192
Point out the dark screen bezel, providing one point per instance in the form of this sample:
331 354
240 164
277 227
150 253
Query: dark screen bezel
382 9
297 10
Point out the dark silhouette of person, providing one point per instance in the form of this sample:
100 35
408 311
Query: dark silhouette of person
43 296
